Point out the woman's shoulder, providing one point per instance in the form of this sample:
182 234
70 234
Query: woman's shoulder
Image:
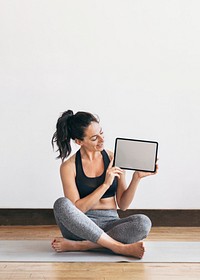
110 154
68 164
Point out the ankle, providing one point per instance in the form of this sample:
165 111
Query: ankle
118 248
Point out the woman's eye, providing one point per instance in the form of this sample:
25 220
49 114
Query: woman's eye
96 137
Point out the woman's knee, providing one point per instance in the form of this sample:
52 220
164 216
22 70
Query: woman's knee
142 223
61 204
145 224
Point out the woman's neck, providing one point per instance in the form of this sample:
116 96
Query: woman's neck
89 155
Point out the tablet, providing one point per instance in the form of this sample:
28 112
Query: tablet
134 154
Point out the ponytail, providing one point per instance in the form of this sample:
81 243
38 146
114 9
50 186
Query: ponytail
62 136
70 126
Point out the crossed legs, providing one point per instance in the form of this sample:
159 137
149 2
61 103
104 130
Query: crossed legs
122 236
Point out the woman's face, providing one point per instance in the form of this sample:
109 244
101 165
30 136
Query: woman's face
94 138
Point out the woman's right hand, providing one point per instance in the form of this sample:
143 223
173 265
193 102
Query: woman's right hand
111 173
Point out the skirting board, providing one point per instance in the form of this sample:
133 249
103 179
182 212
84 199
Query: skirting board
159 217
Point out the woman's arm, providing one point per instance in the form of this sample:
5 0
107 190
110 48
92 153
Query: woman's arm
68 173
126 195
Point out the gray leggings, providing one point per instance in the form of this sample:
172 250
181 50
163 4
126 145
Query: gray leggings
76 225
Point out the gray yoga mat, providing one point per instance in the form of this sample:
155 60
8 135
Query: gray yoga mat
41 251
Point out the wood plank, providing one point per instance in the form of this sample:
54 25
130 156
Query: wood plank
99 271
49 232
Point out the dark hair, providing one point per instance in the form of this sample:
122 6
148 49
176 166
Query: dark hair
70 126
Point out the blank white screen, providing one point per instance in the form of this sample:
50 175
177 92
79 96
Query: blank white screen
137 155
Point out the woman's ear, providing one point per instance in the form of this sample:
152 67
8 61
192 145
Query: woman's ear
78 141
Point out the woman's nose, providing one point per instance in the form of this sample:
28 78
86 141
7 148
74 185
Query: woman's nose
101 138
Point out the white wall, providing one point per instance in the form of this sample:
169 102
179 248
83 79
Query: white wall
134 63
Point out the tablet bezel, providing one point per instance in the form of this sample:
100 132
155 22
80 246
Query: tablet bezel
136 140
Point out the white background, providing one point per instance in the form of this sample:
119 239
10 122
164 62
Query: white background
134 63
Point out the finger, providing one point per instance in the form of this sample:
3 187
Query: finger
111 163
119 170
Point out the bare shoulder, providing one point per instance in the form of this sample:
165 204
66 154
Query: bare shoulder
110 154
68 165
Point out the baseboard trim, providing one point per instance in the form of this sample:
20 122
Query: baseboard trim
159 217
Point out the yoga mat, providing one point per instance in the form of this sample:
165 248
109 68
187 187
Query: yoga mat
41 251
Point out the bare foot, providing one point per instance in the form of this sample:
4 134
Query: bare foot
134 250
60 244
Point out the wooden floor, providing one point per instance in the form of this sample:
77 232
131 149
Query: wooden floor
99 271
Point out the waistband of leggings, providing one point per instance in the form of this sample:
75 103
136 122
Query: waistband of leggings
103 213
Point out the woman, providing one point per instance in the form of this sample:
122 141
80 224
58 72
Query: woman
93 188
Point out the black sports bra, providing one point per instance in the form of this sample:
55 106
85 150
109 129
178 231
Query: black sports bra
86 185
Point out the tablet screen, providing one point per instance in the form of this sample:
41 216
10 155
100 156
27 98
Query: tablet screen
135 154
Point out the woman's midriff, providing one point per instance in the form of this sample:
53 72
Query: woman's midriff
106 203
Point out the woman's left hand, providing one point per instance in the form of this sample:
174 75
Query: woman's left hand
142 174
